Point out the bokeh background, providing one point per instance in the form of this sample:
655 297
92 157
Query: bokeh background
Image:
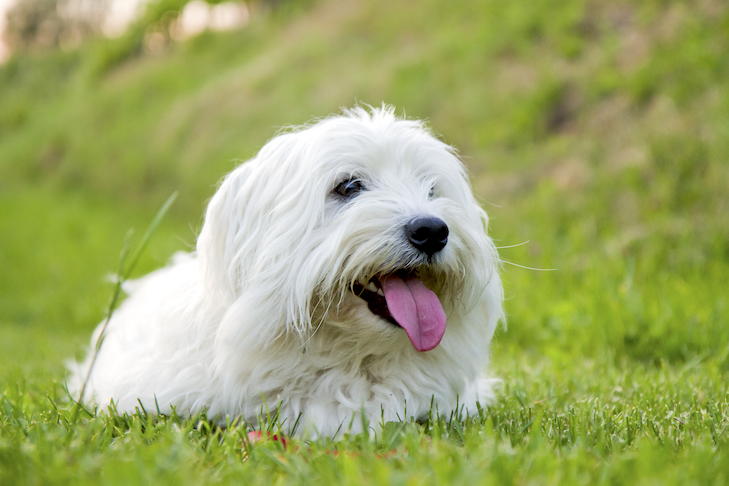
596 134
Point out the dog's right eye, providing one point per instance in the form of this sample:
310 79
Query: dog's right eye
349 188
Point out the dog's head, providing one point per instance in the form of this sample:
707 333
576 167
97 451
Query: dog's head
362 222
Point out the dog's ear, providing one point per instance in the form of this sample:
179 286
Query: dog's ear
215 245
256 245
257 239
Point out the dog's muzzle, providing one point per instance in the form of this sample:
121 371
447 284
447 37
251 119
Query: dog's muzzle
401 298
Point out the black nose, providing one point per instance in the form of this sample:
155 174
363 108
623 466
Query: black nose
428 234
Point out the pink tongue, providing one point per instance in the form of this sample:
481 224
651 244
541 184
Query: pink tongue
417 309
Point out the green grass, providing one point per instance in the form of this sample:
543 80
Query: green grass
601 426
597 132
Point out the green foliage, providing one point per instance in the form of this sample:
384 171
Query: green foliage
594 428
157 16
34 25
597 132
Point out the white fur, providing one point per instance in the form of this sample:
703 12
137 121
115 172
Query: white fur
263 307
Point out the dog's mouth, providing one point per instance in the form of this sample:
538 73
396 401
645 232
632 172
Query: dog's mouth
402 299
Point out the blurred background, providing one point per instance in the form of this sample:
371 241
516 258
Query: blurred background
596 134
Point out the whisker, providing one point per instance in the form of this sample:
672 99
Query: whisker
527 268
512 246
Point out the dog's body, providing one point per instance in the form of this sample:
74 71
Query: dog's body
323 278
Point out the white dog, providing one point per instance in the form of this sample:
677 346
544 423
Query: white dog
343 270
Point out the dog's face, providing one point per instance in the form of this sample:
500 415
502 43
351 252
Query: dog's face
361 223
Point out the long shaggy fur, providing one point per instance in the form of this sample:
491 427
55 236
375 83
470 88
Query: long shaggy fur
264 308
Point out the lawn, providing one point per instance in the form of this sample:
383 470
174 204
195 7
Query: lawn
597 139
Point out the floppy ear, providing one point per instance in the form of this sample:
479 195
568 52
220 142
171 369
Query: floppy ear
258 247
255 220
215 245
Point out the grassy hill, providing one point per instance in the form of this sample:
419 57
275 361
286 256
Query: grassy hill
598 132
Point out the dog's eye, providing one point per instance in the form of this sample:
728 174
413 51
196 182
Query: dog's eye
349 188
431 193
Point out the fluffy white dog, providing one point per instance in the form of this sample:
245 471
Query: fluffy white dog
343 270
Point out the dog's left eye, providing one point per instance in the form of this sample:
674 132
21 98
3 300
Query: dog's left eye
349 188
